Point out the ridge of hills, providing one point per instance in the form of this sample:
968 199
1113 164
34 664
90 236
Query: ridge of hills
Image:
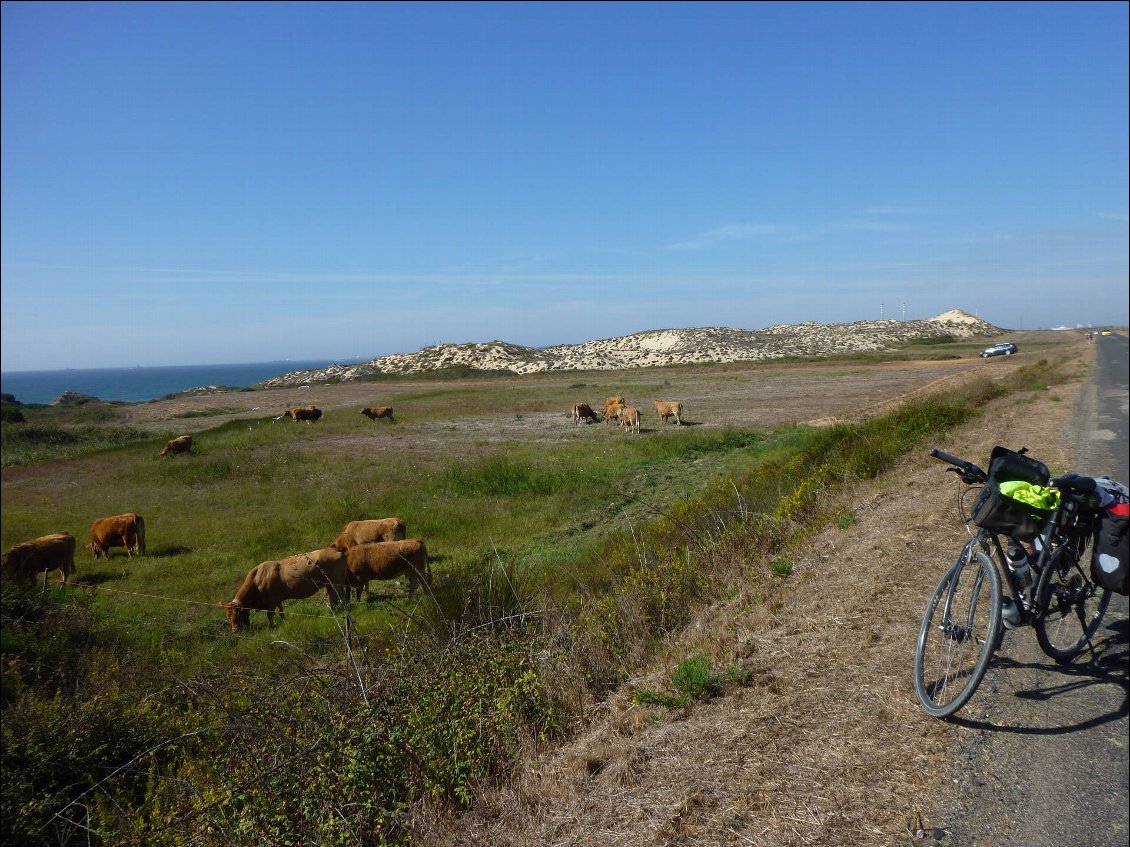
656 348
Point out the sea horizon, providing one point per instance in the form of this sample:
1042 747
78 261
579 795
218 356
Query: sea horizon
141 383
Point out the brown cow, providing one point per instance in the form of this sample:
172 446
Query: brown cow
45 554
126 530
389 560
612 412
307 413
268 584
583 411
363 532
180 444
615 399
367 532
374 413
669 409
630 419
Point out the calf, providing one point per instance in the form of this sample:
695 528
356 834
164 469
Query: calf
126 530
45 554
389 560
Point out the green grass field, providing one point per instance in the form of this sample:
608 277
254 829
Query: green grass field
562 559
259 489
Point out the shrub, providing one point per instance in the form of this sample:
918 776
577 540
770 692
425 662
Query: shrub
781 567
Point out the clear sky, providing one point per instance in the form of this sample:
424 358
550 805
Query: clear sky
224 182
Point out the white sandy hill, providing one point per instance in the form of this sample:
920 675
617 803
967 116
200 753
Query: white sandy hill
658 347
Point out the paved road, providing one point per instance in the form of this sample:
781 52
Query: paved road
1044 762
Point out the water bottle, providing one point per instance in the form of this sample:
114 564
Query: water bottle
1017 559
1010 615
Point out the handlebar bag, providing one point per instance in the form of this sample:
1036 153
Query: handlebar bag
1110 555
997 512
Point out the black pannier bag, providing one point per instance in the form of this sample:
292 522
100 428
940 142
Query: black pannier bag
1110 555
996 512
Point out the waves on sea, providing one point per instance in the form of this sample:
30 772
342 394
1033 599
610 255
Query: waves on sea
134 385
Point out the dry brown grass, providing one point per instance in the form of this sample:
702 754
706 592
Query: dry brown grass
827 744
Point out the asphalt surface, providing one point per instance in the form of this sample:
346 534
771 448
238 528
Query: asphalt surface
1043 760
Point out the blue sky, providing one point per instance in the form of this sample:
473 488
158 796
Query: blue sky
203 183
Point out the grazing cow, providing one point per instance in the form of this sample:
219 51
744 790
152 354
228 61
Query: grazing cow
615 399
389 560
307 413
669 409
364 532
630 419
612 412
45 554
126 530
583 411
375 413
268 584
180 444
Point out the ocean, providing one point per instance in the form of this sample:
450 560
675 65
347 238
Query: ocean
135 385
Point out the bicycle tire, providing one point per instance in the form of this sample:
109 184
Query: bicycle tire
1074 607
954 650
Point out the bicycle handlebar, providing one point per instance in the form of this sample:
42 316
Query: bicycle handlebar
1074 483
970 473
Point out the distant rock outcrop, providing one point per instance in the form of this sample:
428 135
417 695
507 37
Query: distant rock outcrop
73 398
657 347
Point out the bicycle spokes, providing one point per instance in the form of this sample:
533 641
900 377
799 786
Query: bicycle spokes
957 636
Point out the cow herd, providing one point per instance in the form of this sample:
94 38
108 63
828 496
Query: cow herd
363 551
57 551
312 413
616 410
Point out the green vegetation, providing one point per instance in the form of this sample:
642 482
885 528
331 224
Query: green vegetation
781 567
561 570
23 444
694 679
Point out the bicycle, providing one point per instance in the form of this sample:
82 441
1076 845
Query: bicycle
1044 559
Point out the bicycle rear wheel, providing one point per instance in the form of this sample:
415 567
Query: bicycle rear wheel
958 635
1074 607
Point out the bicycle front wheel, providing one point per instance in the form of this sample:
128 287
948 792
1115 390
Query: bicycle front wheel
1074 607
958 635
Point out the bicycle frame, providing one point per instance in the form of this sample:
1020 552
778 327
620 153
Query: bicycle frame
1060 535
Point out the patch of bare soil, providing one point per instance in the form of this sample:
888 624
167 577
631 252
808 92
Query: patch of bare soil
731 395
827 745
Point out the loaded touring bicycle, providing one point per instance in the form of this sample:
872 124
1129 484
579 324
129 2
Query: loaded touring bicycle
1043 552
